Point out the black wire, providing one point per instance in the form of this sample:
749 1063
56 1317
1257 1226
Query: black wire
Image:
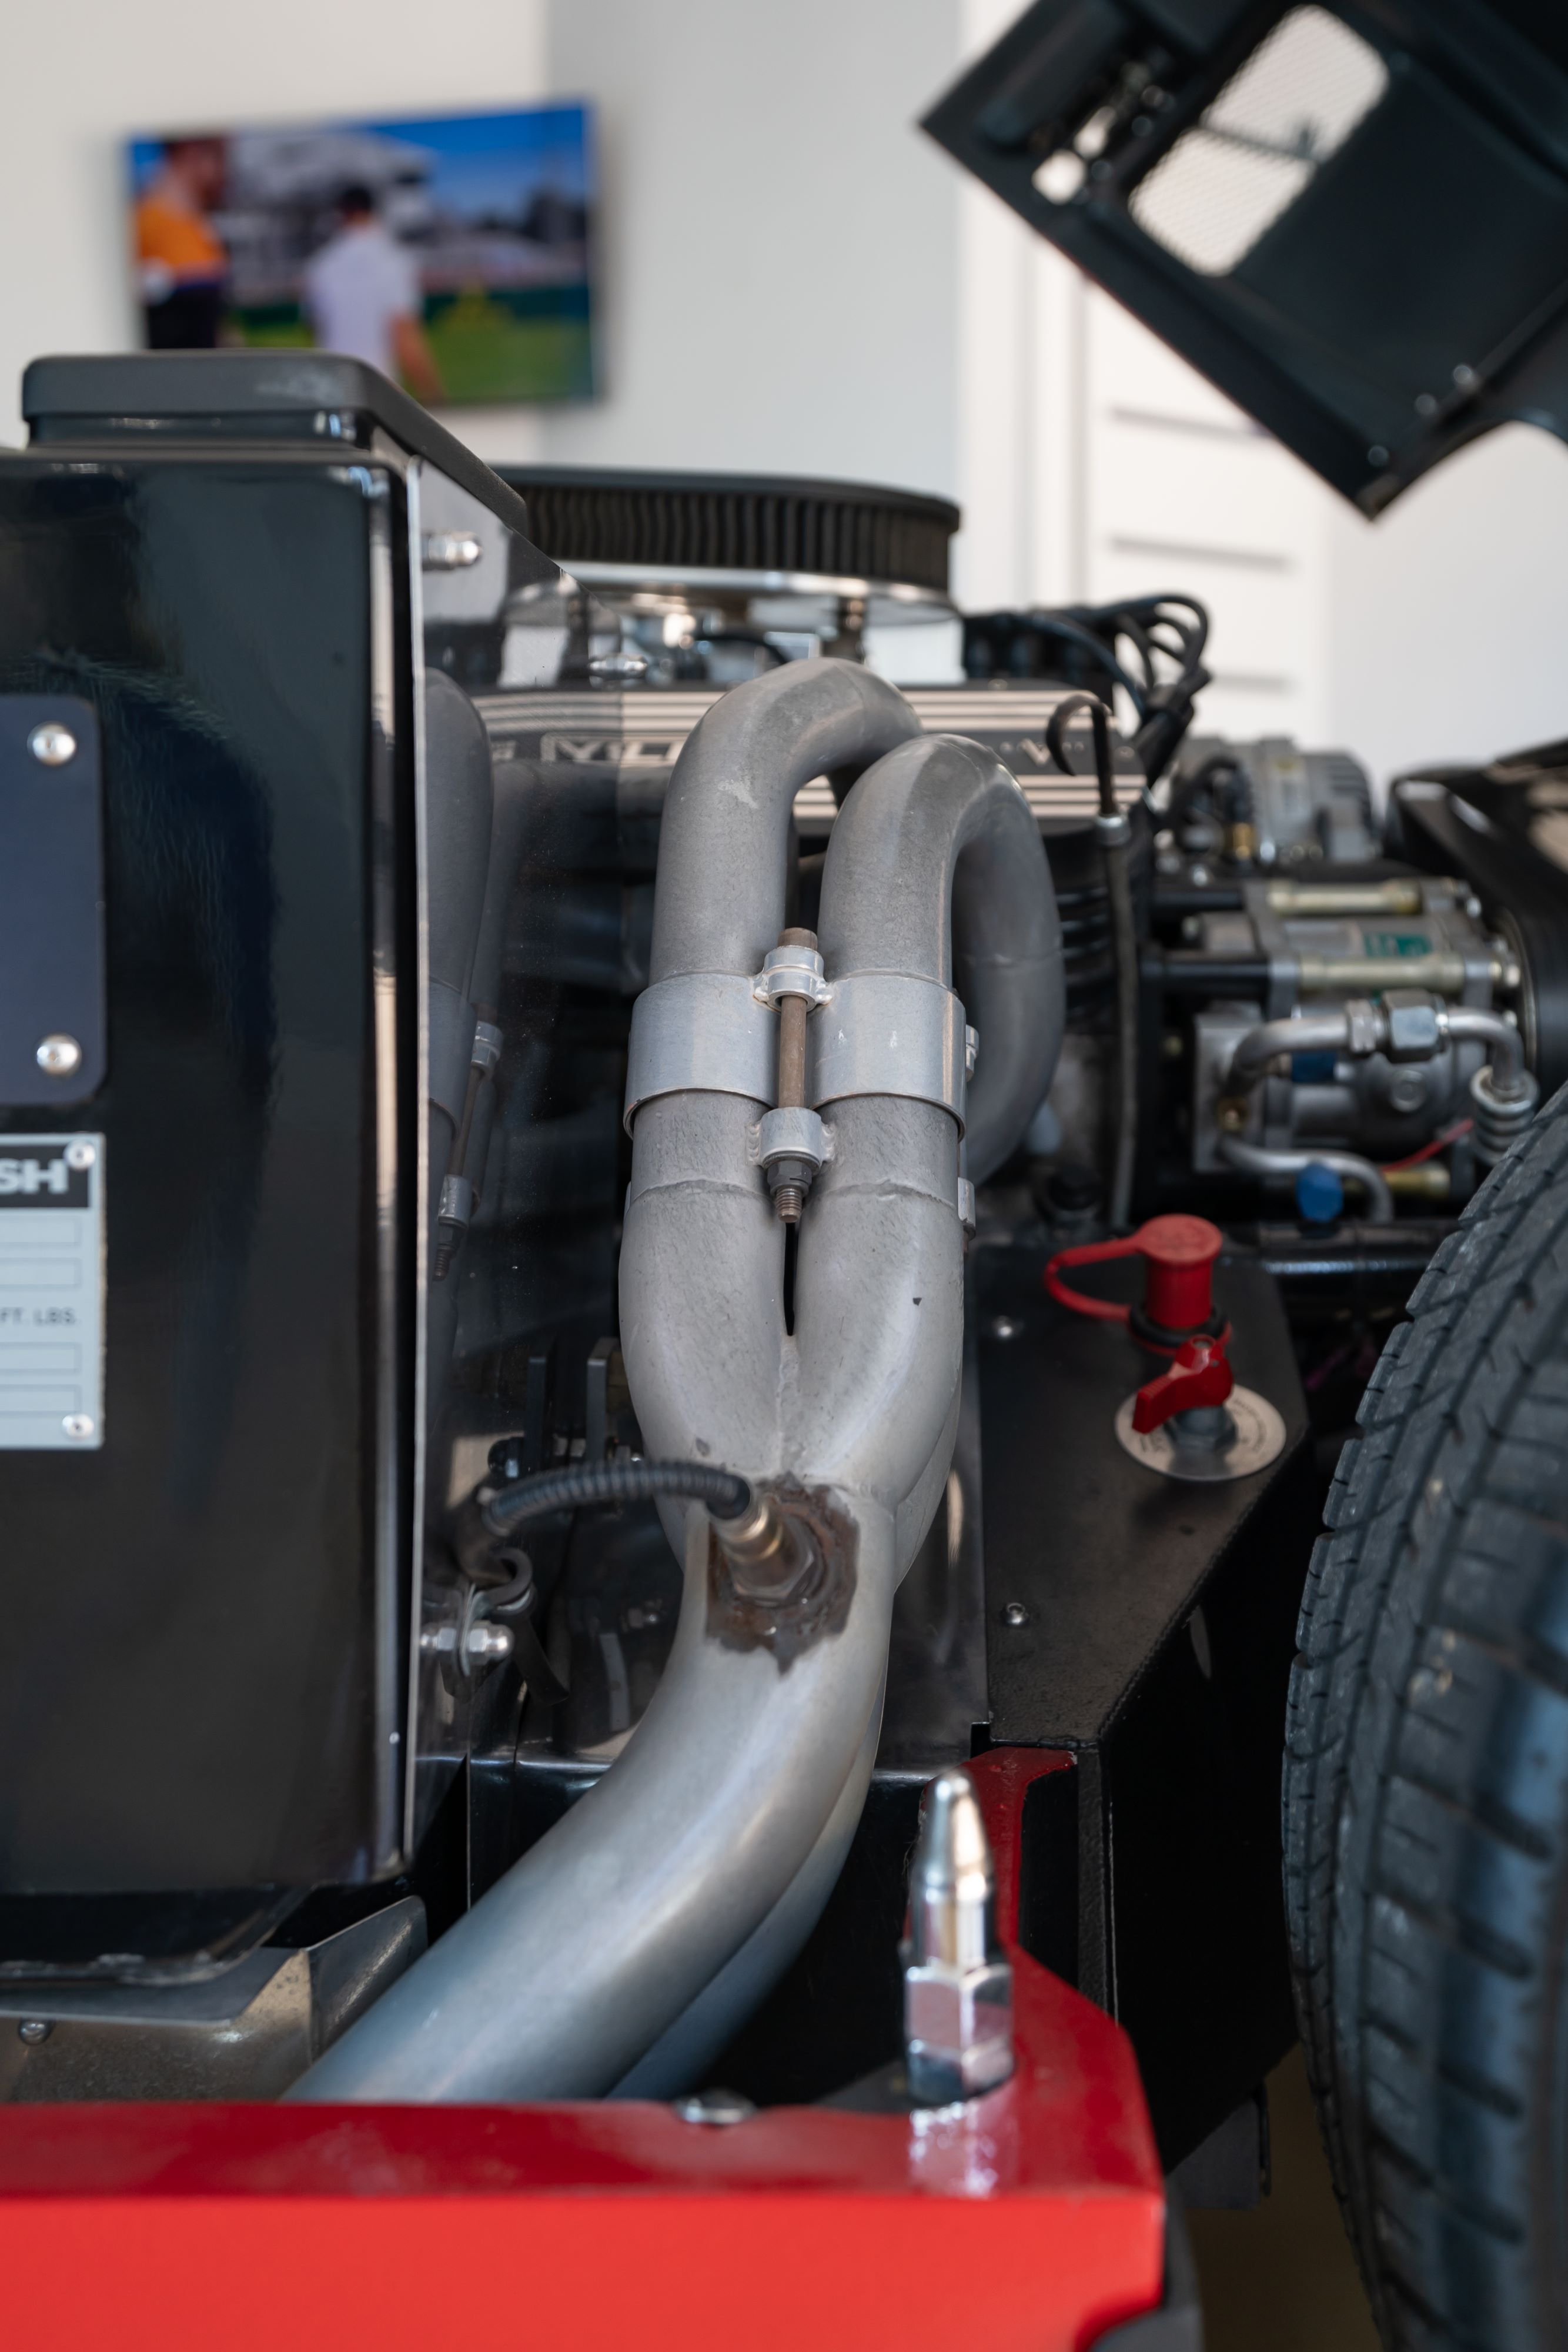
1123 942
1100 721
726 1494
1127 626
1061 625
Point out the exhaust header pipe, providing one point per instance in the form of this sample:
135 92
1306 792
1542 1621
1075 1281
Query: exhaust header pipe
622 1948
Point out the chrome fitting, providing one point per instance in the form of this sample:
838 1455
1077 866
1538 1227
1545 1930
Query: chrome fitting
469 1649
487 1042
1415 1022
1503 1111
1113 831
971 1049
957 1983
1365 1029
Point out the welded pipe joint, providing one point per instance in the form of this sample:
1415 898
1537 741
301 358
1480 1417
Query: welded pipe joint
888 1032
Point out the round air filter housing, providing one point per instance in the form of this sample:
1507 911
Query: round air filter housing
689 578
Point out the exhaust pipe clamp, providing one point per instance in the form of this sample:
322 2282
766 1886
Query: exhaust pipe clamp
888 1032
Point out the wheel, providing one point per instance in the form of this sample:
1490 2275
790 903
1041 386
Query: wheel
1425 1789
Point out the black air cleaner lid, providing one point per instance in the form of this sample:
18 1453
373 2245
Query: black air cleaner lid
738 523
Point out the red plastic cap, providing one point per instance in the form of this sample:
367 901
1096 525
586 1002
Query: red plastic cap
1180 1253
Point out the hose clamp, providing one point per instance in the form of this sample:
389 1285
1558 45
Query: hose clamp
701 1033
888 1032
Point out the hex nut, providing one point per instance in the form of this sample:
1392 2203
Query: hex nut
1414 1033
958 2028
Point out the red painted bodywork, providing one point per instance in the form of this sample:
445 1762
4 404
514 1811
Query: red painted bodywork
1031 2222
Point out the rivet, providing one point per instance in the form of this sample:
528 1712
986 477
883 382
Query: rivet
1015 1614
52 744
58 1056
34 2030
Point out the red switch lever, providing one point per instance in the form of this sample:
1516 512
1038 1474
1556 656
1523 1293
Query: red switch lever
1200 1375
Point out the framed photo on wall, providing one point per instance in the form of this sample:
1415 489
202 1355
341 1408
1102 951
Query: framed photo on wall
454 252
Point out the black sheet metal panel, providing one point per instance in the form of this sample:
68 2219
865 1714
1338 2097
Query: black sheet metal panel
204 1679
1410 294
1156 1644
51 899
259 395
1106 1558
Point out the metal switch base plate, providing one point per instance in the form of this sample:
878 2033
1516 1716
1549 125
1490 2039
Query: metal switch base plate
1259 1438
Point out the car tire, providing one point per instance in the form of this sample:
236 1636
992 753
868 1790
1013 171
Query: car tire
1425 1789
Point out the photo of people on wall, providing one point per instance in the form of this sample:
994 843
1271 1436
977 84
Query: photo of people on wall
453 254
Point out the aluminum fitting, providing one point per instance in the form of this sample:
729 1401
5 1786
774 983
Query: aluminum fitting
792 1132
957 1983
791 972
455 1207
1363 1027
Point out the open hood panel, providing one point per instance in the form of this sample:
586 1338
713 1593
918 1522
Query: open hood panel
1351 218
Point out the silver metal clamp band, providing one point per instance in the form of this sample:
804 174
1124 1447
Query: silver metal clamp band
701 1033
888 1032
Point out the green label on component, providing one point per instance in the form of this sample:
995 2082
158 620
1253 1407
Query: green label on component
1396 943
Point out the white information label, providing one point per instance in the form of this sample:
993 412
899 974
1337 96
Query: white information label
51 1292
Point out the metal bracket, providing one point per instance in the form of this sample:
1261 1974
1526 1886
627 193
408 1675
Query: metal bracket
886 1033
874 1033
701 1033
791 972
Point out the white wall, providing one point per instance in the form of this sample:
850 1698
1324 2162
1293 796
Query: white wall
1095 464
1448 622
780 245
80 75
797 280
